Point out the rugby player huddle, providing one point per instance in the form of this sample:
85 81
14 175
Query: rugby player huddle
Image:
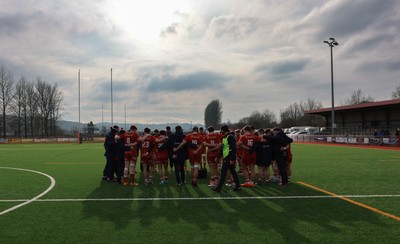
264 148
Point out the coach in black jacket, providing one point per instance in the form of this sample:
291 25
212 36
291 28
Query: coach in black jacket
279 142
263 152
109 146
179 157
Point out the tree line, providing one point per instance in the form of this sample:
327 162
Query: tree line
32 108
292 115
28 108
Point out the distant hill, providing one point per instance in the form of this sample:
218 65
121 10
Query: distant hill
69 126
185 126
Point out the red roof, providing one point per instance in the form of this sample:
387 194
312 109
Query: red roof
357 106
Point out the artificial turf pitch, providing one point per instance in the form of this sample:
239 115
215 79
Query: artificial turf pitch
81 208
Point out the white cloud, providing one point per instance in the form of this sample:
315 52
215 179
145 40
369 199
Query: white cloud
170 61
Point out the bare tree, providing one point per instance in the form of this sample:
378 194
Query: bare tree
396 93
19 106
241 123
291 115
55 108
49 103
357 97
255 119
43 105
269 118
6 94
311 119
310 104
266 119
32 108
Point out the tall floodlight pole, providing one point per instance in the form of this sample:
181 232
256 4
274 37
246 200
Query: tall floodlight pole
79 99
112 112
125 116
331 43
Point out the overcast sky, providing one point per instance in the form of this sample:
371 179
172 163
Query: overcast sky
171 58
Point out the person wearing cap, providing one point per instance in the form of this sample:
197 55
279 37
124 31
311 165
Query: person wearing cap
228 153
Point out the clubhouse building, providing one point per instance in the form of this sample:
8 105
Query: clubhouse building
377 122
363 116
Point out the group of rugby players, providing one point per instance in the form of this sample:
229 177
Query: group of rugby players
264 148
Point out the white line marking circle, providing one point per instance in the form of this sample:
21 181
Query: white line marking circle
53 183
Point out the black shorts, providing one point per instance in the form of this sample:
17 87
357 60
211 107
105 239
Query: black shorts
263 163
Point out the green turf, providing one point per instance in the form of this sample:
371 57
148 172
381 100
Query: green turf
77 170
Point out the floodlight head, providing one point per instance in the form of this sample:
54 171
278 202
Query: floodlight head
326 42
335 43
332 39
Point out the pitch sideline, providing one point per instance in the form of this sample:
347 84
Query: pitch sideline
351 201
198 198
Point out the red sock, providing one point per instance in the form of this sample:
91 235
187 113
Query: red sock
132 178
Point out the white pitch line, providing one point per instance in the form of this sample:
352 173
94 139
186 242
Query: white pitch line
27 201
197 198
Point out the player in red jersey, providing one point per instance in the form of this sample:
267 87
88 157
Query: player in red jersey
162 157
212 140
156 133
204 149
130 141
147 144
246 141
153 155
260 132
195 143
239 150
